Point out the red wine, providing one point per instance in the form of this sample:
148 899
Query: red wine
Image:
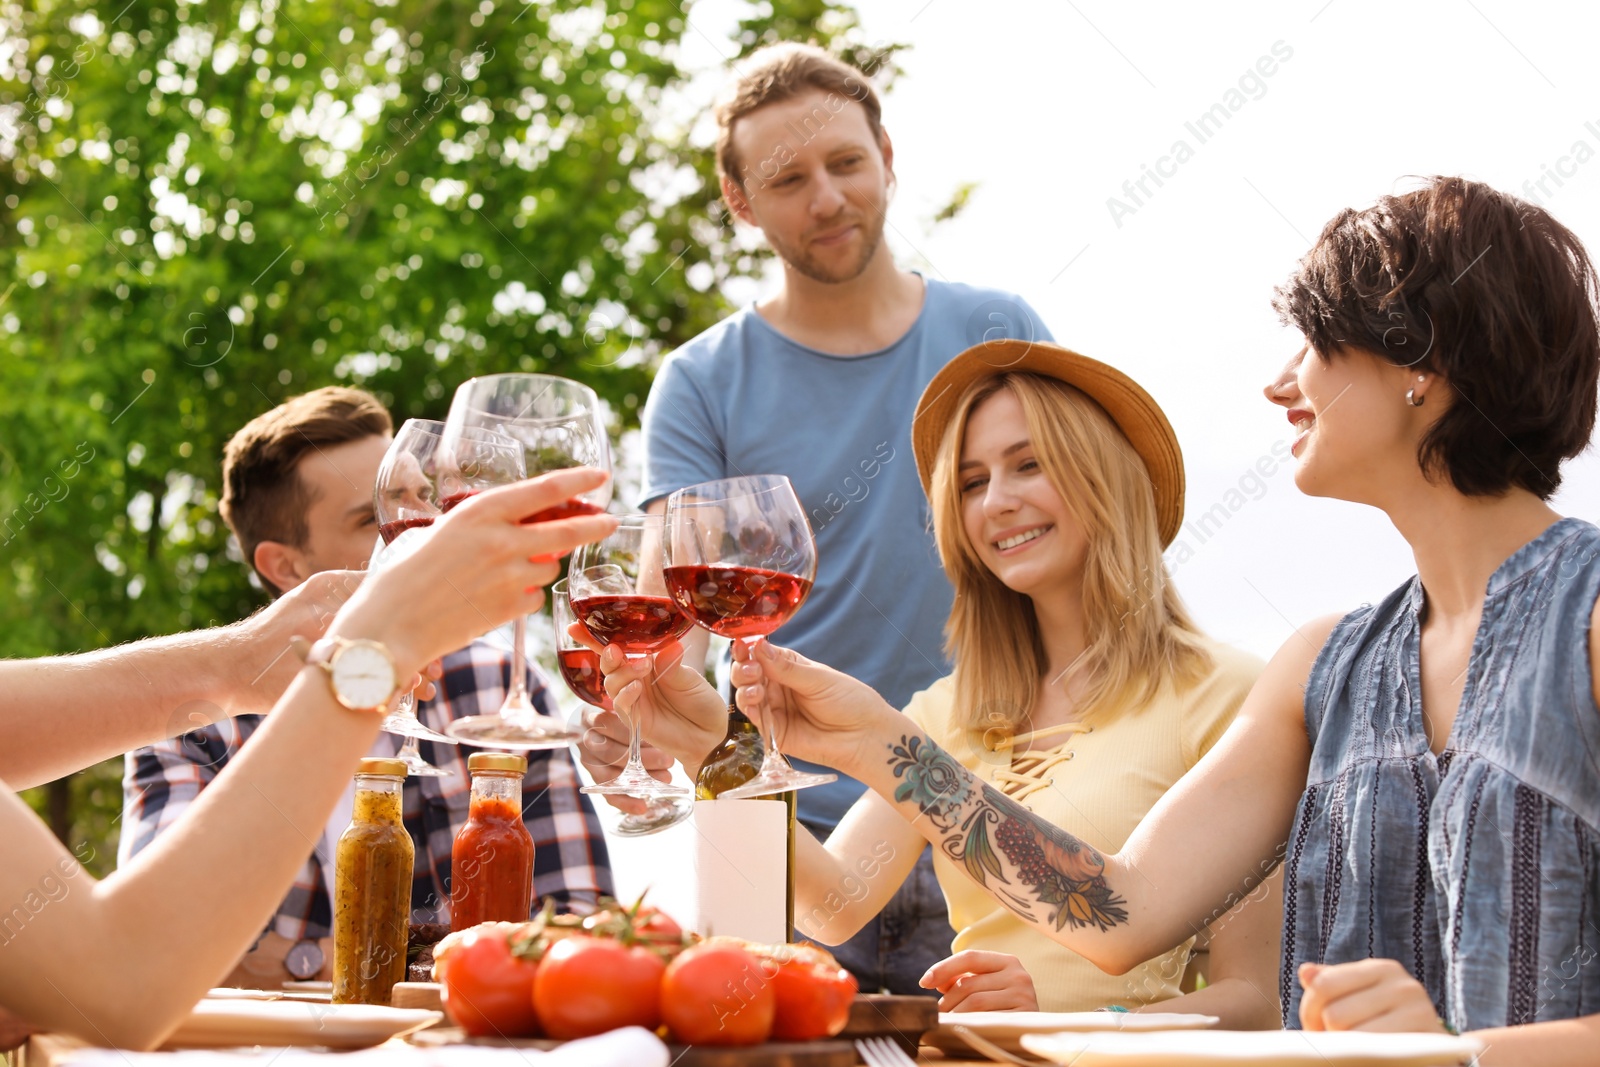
569 510
736 601
390 530
581 669
635 624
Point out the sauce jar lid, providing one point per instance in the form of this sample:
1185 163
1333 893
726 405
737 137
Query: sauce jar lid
381 765
497 761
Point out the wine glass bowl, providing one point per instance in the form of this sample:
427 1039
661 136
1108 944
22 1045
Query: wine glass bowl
740 560
557 421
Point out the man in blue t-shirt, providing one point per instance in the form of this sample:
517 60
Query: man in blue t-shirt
819 383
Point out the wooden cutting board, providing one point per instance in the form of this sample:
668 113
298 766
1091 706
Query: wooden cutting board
772 1054
905 1019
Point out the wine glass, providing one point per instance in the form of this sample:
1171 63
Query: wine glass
740 561
420 479
580 669
559 425
616 591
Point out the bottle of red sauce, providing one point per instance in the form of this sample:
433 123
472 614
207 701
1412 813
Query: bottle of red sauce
491 863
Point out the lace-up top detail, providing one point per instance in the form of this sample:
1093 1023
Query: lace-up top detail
1030 771
1114 776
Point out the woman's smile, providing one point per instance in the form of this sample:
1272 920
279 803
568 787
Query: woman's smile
1018 539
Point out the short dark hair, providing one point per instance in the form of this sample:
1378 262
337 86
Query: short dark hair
1484 289
782 72
263 498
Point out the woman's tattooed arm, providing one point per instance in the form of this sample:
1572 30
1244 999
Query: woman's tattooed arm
1032 866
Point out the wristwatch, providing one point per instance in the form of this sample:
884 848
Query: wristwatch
362 672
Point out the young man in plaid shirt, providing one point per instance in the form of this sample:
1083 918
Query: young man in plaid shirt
297 493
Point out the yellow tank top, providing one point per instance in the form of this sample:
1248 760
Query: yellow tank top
1097 782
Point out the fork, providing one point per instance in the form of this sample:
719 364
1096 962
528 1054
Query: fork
883 1052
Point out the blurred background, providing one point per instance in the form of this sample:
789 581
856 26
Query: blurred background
208 207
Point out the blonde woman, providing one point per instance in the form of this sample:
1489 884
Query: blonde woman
1082 689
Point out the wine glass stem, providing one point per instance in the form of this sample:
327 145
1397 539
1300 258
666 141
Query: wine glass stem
635 737
518 696
769 735
410 750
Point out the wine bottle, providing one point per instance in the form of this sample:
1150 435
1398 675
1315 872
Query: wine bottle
736 760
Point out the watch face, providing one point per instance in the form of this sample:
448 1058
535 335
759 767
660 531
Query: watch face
363 677
304 960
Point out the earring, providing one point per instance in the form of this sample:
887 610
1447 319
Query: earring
1411 395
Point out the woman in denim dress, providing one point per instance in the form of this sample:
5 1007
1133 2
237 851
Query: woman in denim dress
1425 769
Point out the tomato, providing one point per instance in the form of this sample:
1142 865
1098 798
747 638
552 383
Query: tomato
653 924
718 994
813 1000
588 985
488 990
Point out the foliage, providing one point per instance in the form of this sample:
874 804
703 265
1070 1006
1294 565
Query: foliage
209 206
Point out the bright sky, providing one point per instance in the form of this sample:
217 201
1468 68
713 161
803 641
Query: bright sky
1051 105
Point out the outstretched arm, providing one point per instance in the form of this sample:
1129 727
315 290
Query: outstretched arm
1215 834
121 961
64 713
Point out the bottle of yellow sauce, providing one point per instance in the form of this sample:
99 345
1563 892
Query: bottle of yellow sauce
372 889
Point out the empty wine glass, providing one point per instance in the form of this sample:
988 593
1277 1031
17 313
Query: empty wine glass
740 561
559 424
617 593
580 669
420 479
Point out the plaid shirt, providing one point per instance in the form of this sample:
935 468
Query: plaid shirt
570 862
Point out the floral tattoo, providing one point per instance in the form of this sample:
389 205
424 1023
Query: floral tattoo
1037 864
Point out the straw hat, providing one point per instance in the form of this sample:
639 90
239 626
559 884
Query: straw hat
1122 398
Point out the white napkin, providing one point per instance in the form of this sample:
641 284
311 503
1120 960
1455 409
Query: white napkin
741 853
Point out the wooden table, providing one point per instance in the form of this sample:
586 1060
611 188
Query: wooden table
58 1050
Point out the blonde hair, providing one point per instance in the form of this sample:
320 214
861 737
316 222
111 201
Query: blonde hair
1140 634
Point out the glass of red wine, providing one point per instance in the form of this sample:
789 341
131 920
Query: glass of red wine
559 424
618 594
740 560
580 669
419 480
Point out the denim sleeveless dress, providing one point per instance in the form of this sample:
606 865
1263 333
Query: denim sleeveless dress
1478 870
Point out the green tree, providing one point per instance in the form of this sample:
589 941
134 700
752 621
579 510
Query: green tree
208 206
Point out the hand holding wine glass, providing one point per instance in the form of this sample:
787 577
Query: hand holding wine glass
618 595
740 562
480 565
422 476
825 715
559 425
678 711
580 668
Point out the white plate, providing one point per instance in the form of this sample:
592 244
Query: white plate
1259 1048
234 993
231 1023
1005 1028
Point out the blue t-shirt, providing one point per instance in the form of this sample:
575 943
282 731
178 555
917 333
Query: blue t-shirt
744 399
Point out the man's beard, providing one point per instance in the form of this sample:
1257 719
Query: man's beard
805 263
